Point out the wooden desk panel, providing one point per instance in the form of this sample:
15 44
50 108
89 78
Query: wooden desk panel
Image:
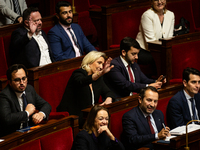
162 51
17 138
132 101
179 142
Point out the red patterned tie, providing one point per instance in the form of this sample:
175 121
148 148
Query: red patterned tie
130 74
150 125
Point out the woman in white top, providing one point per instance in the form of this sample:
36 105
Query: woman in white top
157 22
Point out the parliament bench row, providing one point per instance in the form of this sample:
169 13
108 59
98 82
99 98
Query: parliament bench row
117 109
50 80
53 134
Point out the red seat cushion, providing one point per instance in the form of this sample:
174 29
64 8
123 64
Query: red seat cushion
52 87
6 41
3 62
116 123
162 105
185 55
183 10
58 115
126 23
61 140
87 26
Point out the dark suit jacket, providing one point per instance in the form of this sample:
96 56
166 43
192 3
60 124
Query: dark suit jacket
11 115
61 44
118 79
178 112
136 130
25 51
78 96
86 141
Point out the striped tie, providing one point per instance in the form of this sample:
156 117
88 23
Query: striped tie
16 7
74 39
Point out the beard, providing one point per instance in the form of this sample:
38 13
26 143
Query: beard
128 60
64 21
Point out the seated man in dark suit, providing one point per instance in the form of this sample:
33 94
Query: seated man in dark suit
67 39
144 124
19 102
126 76
185 105
29 45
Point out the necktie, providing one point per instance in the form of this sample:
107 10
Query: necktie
74 39
150 125
193 109
24 101
130 73
16 7
25 124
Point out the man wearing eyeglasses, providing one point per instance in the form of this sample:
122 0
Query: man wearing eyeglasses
20 105
29 45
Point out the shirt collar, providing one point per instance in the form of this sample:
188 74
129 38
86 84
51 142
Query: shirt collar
65 26
145 114
124 61
19 95
186 95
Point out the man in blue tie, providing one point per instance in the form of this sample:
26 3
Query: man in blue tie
66 38
19 102
185 105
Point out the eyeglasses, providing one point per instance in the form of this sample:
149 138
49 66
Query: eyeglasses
18 80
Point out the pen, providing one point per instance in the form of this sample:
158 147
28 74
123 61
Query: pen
164 125
34 127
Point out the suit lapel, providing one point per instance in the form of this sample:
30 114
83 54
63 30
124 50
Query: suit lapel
63 32
135 71
143 120
197 101
15 99
124 68
185 106
157 120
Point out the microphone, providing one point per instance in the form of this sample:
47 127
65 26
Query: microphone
186 146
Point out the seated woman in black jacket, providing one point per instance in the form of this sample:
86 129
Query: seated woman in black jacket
96 134
86 85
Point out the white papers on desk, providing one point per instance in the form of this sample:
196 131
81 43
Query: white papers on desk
1 140
169 137
182 129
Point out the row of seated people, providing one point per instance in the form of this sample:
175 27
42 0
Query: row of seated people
32 51
142 56
148 101
178 110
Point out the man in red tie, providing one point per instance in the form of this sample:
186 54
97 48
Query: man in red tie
126 78
144 124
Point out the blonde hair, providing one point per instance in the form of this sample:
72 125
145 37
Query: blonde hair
164 10
90 58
